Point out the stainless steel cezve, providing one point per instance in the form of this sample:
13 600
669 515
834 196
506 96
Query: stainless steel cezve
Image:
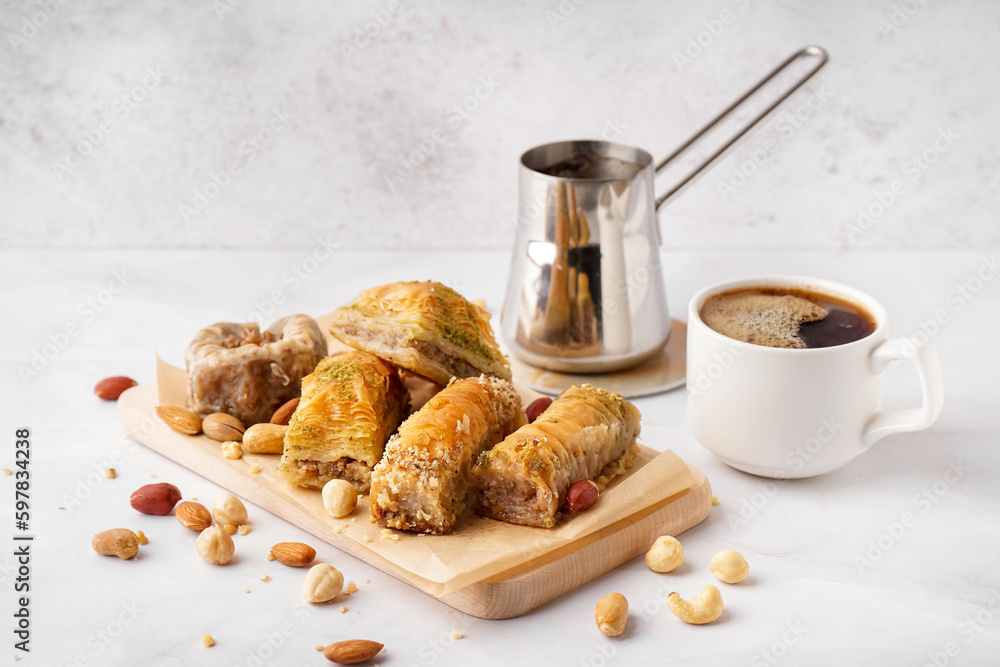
585 292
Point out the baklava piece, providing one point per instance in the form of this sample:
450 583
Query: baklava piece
350 406
247 373
422 482
586 433
424 327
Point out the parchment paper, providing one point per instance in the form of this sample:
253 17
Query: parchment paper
477 548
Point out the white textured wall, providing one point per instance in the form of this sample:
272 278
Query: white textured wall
344 122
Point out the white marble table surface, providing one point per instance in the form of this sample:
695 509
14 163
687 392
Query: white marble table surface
834 578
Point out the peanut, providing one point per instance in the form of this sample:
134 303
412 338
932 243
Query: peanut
611 614
120 542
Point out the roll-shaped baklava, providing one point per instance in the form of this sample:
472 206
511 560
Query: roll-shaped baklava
422 481
350 406
424 327
586 433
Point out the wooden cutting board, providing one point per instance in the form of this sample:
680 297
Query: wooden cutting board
486 568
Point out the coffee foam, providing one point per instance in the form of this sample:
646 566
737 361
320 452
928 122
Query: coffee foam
761 319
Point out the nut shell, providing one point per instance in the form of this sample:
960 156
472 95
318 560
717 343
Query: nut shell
156 499
193 515
222 427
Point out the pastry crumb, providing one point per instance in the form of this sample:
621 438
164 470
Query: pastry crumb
366 539
271 557
715 500
394 538
266 578
342 609
8 471
243 529
141 537
386 534
207 640
456 634
153 476
110 473
246 590
368 581
16 656
319 647
255 469
351 587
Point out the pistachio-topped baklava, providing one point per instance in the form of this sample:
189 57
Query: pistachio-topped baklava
350 406
424 327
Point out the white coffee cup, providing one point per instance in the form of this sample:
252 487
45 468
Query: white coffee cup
790 413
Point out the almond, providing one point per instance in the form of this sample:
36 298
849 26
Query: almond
193 515
179 419
109 389
582 496
156 499
264 439
283 415
352 651
295 554
222 427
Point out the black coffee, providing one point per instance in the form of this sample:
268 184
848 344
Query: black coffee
786 317
592 166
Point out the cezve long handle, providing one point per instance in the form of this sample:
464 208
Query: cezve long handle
808 52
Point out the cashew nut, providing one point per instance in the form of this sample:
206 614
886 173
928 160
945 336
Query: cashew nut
729 566
665 555
702 608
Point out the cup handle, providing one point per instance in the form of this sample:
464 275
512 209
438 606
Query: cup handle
925 360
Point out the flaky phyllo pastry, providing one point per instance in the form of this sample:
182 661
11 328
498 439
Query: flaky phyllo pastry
422 482
424 327
248 373
586 433
350 406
